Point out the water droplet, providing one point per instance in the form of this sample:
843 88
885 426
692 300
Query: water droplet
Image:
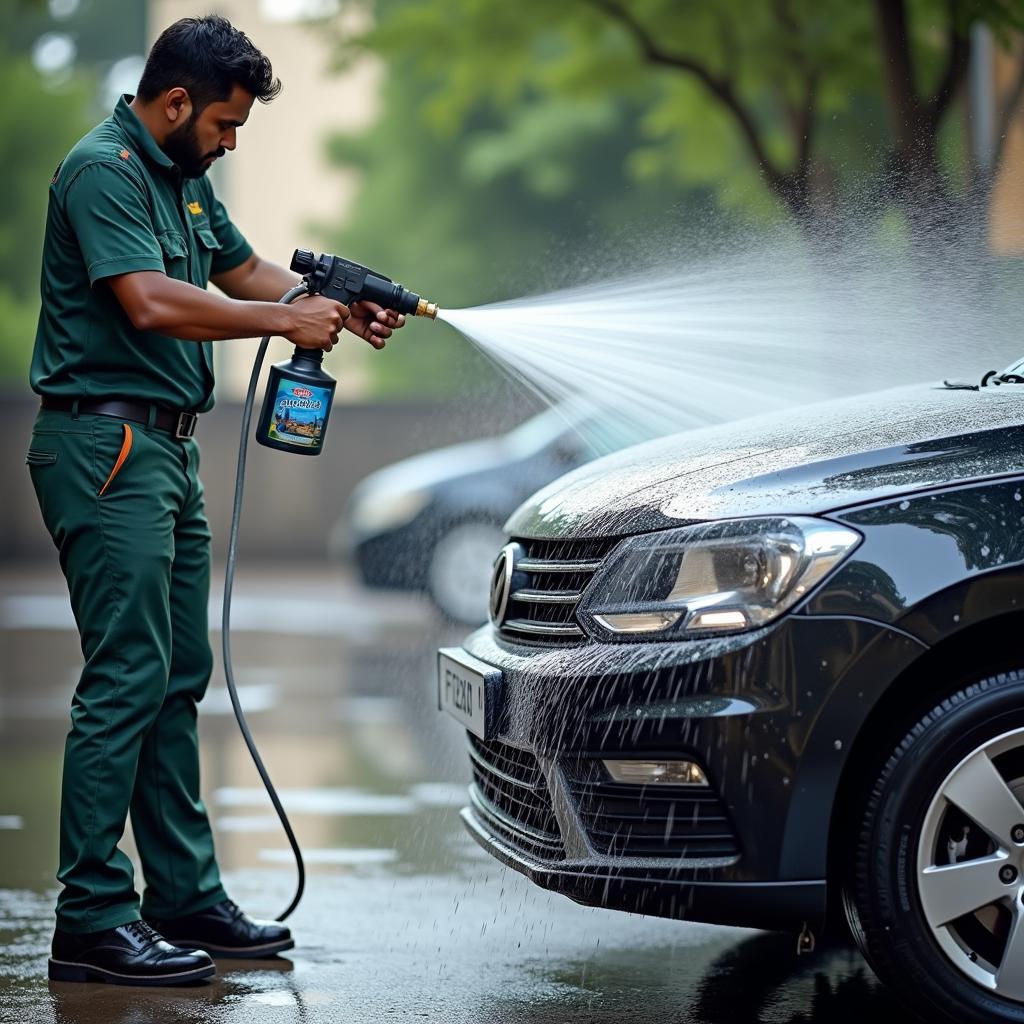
984 550
904 505
838 744
956 618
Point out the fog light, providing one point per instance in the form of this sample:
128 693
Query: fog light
675 773
719 620
645 622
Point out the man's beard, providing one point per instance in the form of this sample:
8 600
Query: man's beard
182 146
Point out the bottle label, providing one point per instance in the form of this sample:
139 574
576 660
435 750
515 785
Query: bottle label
300 414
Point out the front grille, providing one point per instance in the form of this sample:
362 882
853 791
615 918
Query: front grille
548 583
509 790
658 820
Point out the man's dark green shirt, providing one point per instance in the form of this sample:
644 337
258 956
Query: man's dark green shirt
118 205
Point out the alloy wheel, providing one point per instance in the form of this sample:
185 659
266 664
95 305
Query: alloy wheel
970 865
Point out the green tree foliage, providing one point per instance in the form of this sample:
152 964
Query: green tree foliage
40 120
478 203
797 96
102 30
518 138
38 124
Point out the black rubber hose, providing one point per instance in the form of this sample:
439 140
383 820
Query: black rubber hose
225 622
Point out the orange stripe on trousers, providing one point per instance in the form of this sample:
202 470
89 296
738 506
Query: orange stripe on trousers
126 447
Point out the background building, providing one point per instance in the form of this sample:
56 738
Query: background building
280 186
1006 226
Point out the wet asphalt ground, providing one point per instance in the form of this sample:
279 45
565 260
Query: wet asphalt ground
404 917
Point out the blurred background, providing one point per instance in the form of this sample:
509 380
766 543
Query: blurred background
473 150
477 151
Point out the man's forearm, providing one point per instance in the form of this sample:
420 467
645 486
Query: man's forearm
256 279
155 302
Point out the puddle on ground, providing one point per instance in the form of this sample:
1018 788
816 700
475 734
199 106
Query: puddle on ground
404 916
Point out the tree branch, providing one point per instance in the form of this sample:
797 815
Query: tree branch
721 87
958 53
800 112
904 104
789 33
805 125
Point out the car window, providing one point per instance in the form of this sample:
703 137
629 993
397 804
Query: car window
538 432
610 433
594 433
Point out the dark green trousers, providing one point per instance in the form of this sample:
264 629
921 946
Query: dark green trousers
124 506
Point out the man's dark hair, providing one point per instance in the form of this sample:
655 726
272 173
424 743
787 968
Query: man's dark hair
207 56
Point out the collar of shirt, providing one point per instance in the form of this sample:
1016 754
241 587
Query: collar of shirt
140 135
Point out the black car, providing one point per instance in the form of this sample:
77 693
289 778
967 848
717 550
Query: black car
772 674
430 523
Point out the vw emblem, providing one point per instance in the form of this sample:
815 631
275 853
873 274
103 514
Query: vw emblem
501 581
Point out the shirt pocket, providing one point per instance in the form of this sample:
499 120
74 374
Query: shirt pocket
208 246
172 244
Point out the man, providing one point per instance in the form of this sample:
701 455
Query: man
122 363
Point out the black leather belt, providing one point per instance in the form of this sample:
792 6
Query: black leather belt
179 424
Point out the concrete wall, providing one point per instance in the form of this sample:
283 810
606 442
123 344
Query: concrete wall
291 500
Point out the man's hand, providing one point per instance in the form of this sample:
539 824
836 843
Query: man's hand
317 322
373 323
262 280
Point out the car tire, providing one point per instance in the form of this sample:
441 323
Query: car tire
459 572
931 844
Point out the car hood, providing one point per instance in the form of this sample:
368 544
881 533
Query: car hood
810 460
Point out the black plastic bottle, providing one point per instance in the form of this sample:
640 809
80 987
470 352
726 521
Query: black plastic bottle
297 404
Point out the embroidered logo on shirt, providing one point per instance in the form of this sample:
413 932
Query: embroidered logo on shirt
195 209
124 154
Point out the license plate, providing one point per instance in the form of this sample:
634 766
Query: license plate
467 689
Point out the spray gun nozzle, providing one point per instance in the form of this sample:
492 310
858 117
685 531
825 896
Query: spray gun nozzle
348 282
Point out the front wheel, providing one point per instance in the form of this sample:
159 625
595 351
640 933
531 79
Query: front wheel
459 573
934 890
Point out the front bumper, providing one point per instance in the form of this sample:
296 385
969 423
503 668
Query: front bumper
664 892
771 716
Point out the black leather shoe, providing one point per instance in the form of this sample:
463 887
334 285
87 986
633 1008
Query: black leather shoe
223 930
132 954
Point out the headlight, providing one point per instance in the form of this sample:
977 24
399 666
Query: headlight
712 578
377 513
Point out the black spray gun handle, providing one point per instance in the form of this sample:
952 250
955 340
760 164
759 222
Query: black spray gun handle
348 282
